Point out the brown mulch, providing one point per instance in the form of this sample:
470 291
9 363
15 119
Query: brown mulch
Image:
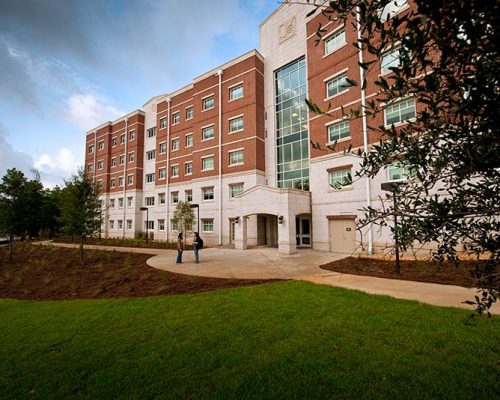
412 270
51 273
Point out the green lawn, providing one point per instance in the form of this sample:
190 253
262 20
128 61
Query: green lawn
285 340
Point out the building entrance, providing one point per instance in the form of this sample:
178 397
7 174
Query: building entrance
303 231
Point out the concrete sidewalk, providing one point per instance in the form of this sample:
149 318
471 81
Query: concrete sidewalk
267 263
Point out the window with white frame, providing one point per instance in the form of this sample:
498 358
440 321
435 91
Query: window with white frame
99 184
150 201
236 92
207 163
121 181
163 123
340 178
398 172
188 168
161 224
120 224
90 168
336 85
173 225
175 171
188 195
91 149
208 103
129 224
162 173
122 138
101 145
150 178
207 225
174 197
208 132
176 144
189 140
400 112
151 132
176 118
111 224
236 157
151 155
131 156
207 193
130 179
149 225
111 203
389 60
235 189
236 124
100 164
338 131
130 202
113 162
131 135
120 202
189 113
112 183
392 8
122 159
163 148
161 198
114 142
335 41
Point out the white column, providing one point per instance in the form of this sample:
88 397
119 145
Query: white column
240 239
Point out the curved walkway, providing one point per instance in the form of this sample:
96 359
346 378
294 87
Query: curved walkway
267 263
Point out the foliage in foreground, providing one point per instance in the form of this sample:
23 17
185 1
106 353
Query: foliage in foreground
448 60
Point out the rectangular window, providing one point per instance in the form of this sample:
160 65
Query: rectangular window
152 132
112 203
100 164
175 170
176 118
207 163
122 138
90 168
111 224
163 148
235 189
176 144
120 224
335 41
189 140
389 60
189 113
338 131
151 155
336 85
208 132
129 224
114 142
161 198
163 123
340 178
101 145
207 193
236 157
208 103
189 195
173 225
131 135
207 225
130 179
161 225
162 173
120 202
174 197
121 181
150 178
149 225
99 184
113 162
400 112
122 159
131 156
113 183
398 172
188 168
236 124
236 92
130 202
392 8
91 149
150 201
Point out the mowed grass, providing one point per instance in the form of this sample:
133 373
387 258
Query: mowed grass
284 340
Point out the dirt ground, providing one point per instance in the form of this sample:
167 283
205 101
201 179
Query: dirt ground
50 273
412 270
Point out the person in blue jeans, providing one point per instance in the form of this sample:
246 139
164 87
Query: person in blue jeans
180 248
197 245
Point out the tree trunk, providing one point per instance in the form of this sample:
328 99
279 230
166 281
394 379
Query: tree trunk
81 250
11 239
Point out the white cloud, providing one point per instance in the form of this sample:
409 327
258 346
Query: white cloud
88 110
53 169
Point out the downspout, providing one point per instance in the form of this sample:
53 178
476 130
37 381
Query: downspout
167 172
365 128
219 74
125 179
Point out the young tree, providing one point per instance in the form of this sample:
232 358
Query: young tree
448 62
184 218
12 206
81 208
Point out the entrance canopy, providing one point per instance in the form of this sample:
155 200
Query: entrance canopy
285 204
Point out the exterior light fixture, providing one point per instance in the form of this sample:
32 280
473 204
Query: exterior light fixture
237 220
281 219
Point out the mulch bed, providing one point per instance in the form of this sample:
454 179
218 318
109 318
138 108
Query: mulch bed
412 270
52 273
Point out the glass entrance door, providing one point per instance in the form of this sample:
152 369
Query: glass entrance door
303 231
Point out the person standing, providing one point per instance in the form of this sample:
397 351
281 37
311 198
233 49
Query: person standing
180 248
197 246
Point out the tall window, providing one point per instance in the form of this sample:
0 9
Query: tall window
121 181
163 123
131 135
162 173
236 157
292 143
131 156
161 224
114 142
150 178
176 118
176 144
400 112
174 197
208 103
334 41
189 113
236 92
120 202
389 60
175 170
100 164
130 179
208 132
188 168
122 159
161 198
189 140
130 201
236 124
207 163
91 149
340 178
123 138
336 85
163 148
101 145
189 195
338 131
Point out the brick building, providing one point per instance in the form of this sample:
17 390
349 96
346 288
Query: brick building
236 143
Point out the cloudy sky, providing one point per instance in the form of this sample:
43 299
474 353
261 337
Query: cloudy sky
67 66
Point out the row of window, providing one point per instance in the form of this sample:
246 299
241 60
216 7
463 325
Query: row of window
207 225
114 141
